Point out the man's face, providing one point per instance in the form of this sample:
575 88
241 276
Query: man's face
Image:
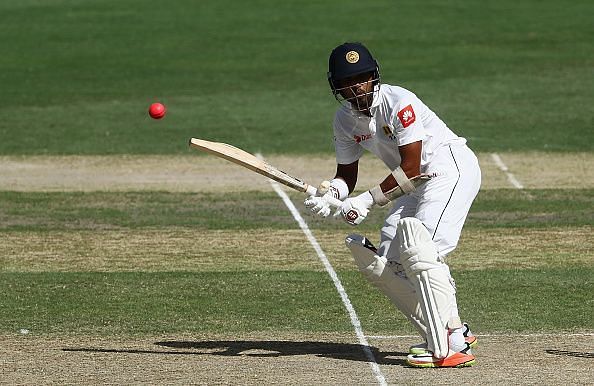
358 90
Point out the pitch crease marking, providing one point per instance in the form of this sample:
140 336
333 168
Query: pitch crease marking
379 376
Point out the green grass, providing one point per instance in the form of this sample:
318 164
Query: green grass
214 299
108 210
77 77
154 303
239 302
112 210
532 208
528 300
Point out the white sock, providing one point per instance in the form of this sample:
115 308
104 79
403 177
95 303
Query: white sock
457 341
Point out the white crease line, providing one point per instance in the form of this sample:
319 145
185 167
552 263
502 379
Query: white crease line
392 336
341 291
484 335
510 177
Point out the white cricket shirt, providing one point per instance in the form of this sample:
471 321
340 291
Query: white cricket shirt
398 118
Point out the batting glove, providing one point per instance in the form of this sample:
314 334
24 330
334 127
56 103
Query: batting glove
319 204
355 209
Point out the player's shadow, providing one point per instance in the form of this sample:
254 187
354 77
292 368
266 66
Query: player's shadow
266 349
345 351
575 354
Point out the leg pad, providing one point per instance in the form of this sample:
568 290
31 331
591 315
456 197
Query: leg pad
396 287
431 279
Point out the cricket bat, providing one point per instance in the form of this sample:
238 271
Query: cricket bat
250 161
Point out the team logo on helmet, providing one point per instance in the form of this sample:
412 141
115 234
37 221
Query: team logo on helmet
352 57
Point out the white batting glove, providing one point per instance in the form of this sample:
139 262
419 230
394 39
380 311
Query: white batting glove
319 204
355 209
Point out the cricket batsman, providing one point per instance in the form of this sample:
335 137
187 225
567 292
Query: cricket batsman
433 180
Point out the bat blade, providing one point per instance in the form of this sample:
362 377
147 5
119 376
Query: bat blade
250 161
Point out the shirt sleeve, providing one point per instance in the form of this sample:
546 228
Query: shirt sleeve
408 126
346 148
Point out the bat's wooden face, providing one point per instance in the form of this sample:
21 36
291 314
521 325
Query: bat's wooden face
250 161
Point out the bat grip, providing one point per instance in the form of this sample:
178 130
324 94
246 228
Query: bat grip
335 202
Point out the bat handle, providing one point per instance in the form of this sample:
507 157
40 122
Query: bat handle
335 202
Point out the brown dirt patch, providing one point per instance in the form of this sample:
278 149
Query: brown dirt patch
196 172
551 170
524 248
156 250
503 248
285 359
179 249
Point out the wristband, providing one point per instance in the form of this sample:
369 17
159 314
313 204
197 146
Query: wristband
402 180
339 188
378 196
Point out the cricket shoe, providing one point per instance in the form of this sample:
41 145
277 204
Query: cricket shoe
462 358
421 348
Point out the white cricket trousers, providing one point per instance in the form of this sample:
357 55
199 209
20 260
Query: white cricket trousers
441 204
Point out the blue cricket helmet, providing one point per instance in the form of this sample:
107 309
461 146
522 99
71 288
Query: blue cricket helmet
350 59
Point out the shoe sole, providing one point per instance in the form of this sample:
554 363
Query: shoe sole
435 365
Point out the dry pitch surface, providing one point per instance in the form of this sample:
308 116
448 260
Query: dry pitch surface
207 173
262 358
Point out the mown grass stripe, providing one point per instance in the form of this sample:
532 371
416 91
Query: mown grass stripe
143 303
256 210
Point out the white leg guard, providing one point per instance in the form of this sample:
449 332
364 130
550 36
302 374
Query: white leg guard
431 279
398 289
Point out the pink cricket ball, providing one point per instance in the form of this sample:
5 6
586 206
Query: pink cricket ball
157 110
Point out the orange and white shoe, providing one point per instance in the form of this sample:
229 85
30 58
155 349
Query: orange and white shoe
463 358
468 337
421 348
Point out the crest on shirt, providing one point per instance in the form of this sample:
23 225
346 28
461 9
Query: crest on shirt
407 116
388 132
